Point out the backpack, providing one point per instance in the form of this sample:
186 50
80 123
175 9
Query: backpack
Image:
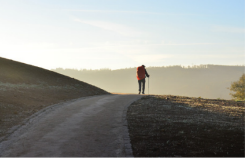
140 73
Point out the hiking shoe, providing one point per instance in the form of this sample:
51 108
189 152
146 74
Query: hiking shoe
139 92
142 92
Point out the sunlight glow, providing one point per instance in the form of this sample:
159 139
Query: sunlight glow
114 34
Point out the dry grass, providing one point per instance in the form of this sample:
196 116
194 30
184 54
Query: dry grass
175 126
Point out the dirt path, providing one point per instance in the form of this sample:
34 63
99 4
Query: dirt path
86 127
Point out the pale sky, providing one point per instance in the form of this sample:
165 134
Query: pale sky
94 34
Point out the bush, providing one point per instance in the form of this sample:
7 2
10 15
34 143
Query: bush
239 88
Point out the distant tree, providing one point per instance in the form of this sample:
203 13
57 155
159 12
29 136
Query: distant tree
239 88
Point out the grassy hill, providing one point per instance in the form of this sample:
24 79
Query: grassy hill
26 89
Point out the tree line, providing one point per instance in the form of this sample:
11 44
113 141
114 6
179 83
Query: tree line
206 81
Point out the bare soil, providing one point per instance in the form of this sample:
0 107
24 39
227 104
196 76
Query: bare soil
175 126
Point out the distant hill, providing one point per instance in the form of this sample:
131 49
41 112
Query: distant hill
207 81
25 89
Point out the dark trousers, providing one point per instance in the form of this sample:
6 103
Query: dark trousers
142 81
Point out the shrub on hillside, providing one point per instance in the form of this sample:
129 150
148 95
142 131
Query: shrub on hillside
239 88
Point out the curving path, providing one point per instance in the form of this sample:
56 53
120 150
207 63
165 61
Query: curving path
87 127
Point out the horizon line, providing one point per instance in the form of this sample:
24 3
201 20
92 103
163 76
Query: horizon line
182 66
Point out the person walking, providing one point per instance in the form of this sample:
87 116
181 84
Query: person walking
141 72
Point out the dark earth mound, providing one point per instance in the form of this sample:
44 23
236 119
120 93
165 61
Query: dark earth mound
26 89
175 126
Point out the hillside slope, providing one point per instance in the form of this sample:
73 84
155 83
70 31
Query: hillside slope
25 89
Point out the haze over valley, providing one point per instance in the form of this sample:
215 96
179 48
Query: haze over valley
206 81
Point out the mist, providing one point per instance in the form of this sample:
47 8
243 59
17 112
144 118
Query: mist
205 81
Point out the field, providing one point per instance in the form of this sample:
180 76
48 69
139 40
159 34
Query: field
175 126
